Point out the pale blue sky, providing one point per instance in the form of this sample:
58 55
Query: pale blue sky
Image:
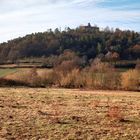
21 17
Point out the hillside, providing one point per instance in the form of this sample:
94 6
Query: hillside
87 43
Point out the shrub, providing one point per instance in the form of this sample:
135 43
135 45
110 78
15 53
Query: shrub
50 78
111 80
98 66
103 80
69 80
130 80
90 79
65 67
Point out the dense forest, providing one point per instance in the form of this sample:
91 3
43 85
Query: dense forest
86 42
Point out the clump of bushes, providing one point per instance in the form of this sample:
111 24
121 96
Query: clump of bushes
69 75
102 76
50 78
73 79
130 80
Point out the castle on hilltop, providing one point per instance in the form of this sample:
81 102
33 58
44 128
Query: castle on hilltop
89 27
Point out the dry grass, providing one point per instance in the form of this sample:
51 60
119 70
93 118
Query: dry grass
54 114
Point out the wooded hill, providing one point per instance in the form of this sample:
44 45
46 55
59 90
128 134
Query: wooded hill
86 42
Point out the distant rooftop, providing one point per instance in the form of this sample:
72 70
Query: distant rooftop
89 26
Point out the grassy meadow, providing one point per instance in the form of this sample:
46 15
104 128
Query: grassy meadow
54 114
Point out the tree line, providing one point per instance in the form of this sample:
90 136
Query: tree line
86 42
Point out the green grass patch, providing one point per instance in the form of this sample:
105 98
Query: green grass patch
5 72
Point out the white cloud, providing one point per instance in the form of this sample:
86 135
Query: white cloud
21 17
